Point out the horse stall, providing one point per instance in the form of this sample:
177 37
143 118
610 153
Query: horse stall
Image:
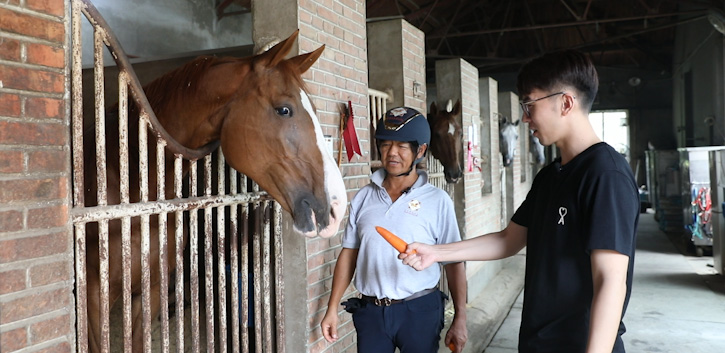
173 232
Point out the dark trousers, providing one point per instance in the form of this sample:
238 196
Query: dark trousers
412 326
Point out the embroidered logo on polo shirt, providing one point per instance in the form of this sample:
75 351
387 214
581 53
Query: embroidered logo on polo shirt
562 213
413 207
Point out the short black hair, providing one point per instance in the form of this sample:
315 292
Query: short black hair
553 71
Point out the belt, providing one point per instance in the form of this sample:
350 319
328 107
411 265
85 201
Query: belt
389 302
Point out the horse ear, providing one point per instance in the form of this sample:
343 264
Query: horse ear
457 108
305 61
278 52
516 123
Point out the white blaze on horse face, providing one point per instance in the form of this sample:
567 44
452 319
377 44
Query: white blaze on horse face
334 186
451 129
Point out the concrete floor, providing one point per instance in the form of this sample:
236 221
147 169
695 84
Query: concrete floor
677 303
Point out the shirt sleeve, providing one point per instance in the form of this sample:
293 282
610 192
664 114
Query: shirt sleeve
614 213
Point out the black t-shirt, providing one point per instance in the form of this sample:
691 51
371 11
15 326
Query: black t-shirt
590 203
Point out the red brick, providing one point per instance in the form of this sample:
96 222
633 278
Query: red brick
9 49
31 80
23 133
14 340
9 105
11 221
48 161
47 217
11 162
45 55
28 25
45 274
34 305
44 108
31 190
12 281
35 247
50 329
51 7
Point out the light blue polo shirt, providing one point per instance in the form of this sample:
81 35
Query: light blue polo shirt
425 214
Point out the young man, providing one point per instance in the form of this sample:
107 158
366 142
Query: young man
578 221
399 306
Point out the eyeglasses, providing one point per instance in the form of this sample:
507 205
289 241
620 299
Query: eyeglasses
525 105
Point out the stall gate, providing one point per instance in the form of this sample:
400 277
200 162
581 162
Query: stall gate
234 300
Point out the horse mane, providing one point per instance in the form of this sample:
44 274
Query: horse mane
176 85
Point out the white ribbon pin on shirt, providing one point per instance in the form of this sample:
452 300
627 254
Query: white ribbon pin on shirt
562 213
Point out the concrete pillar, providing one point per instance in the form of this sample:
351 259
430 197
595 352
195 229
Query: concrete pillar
396 60
339 76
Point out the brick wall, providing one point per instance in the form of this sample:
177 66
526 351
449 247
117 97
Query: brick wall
338 76
36 247
413 67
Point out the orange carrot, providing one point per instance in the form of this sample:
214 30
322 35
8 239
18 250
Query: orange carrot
452 347
397 243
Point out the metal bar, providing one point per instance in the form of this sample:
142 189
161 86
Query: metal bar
234 262
145 235
266 260
94 214
163 245
256 279
245 271
102 189
78 184
194 255
208 260
179 235
126 221
279 277
221 256
81 287
77 116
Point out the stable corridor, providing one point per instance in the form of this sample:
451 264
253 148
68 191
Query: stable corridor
677 303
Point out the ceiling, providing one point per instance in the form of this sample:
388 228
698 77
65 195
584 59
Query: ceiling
498 36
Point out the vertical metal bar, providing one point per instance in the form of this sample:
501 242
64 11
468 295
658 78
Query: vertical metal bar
78 188
145 234
101 182
81 288
179 234
267 276
244 270
221 263
208 259
233 259
77 111
257 243
194 254
163 245
279 277
126 221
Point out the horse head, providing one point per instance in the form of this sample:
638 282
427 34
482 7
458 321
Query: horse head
446 141
269 131
508 134
536 148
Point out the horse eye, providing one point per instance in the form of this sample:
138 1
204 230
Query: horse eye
283 111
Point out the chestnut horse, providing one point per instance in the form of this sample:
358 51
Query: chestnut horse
508 134
257 109
446 139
